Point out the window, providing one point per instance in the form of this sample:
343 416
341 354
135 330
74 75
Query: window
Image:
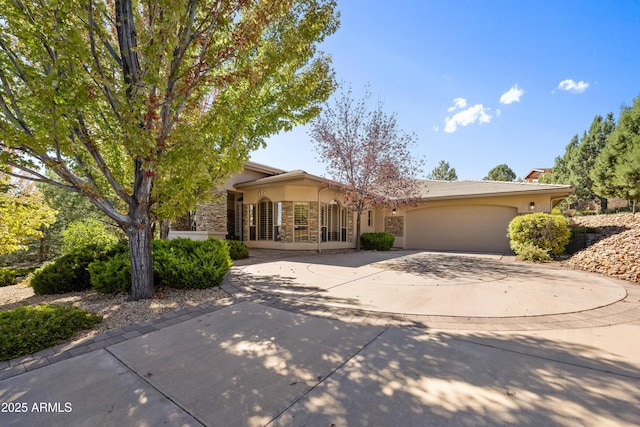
301 222
265 220
343 221
333 223
277 225
252 222
369 218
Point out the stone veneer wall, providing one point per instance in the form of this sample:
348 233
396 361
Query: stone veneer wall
287 222
314 217
231 217
212 216
394 225
181 223
245 222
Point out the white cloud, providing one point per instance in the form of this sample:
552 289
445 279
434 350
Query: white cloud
436 128
458 103
477 113
512 95
570 86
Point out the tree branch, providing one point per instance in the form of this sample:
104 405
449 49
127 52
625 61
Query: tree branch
14 60
83 134
15 115
37 177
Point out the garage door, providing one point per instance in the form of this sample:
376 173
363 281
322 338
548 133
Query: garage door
460 228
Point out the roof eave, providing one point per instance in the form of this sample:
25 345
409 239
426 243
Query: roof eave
554 192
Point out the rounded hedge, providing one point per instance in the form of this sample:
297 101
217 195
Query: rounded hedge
69 273
533 235
190 264
177 263
7 276
380 241
237 249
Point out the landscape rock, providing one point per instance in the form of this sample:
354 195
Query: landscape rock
616 252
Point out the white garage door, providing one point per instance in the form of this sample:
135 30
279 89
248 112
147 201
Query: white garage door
460 228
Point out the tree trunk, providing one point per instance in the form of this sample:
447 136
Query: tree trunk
603 204
358 218
164 229
141 263
140 236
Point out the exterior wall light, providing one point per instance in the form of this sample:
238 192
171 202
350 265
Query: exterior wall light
394 212
532 206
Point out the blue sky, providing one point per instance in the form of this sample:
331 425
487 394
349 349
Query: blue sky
481 82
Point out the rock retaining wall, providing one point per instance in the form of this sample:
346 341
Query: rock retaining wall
617 250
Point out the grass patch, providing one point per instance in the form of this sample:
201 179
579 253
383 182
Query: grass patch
26 330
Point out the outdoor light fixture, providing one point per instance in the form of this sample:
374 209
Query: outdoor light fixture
394 212
532 206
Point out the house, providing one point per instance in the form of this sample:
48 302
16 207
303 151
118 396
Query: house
535 174
293 210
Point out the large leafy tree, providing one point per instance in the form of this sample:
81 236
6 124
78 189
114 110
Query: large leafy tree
580 155
24 214
616 172
148 105
443 172
367 153
501 173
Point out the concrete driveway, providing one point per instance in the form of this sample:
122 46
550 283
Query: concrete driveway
436 284
307 340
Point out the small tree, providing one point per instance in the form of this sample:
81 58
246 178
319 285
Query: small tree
87 232
24 214
501 173
443 172
367 154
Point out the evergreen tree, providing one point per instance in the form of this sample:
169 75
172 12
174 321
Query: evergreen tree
616 172
501 173
574 167
443 172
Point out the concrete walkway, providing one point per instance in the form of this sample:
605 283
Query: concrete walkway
378 339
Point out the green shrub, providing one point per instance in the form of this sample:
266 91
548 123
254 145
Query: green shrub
177 263
237 249
530 252
550 233
89 231
7 276
68 273
190 264
26 330
112 275
377 241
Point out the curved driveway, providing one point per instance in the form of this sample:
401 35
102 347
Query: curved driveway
445 289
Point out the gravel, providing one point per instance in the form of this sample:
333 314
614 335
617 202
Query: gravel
117 312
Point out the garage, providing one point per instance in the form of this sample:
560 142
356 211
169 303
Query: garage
474 228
